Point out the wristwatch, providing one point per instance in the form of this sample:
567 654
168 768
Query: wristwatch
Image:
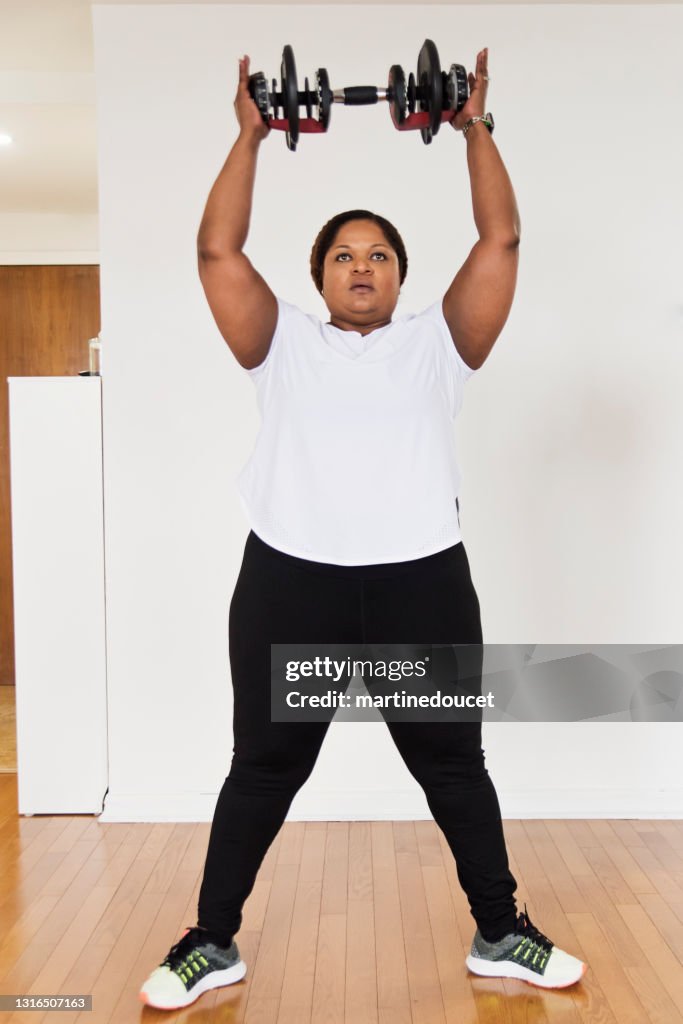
487 119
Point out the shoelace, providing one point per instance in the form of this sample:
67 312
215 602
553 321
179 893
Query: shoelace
529 931
177 954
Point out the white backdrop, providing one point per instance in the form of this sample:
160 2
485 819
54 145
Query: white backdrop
570 438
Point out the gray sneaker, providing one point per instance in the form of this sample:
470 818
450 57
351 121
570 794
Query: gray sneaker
526 954
193 966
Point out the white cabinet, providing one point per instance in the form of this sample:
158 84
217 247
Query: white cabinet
59 598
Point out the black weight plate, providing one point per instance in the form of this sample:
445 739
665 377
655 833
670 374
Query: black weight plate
290 96
430 87
457 90
399 95
258 90
412 93
274 99
324 97
308 99
444 91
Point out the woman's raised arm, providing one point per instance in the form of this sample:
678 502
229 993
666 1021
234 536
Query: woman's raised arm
243 306
478 301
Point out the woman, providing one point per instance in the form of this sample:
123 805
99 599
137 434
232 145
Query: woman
352 495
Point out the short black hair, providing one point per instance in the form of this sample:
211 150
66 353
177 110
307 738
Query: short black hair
328 233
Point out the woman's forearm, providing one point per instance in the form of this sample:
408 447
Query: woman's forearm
493 198
225 223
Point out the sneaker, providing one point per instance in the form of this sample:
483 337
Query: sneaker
193 966
526 954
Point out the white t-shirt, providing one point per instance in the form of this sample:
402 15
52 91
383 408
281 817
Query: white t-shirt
355 459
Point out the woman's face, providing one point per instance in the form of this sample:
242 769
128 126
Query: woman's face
361 277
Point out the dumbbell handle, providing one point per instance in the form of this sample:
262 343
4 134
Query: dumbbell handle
359 95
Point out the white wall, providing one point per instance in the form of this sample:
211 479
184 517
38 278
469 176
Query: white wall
570 438
48 238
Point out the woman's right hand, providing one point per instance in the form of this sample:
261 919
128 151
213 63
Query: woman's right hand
248 114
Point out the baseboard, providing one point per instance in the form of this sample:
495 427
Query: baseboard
405 805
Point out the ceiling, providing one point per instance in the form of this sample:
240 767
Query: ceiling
47 104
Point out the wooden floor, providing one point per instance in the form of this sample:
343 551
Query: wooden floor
353 922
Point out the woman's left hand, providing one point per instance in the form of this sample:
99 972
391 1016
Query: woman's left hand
476 104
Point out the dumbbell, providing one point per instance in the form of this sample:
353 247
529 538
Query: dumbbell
438 94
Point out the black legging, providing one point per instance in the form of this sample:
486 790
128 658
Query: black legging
280 599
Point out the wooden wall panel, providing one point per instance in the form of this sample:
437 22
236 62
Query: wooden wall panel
47 315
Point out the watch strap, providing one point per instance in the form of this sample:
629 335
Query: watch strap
486 118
